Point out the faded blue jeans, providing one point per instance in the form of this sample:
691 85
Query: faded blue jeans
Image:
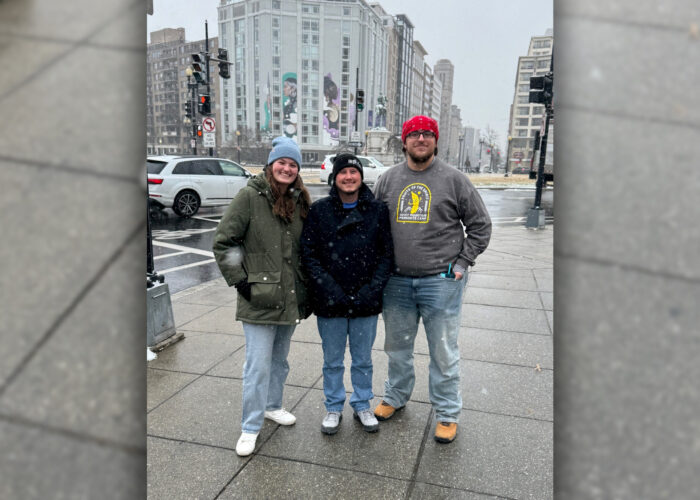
335 335
438 301
264 371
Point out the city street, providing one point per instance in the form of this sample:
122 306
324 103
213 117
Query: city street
182 247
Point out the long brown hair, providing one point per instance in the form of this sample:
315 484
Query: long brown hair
284 199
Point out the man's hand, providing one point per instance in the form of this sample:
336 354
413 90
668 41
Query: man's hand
458 275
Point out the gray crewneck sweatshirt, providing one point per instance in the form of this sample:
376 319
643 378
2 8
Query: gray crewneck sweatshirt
427 210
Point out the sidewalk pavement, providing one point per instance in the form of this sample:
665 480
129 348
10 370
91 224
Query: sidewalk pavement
503 447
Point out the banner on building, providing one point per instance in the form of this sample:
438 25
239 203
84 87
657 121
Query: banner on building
289 105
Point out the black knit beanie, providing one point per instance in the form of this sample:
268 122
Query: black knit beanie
346 160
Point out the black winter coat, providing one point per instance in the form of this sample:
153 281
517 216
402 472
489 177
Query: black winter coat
347 255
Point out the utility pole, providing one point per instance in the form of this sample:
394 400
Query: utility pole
357 107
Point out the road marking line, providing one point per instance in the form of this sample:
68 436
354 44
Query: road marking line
209 220
194 264
173 254
183 248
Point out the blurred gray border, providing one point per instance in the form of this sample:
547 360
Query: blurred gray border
627 273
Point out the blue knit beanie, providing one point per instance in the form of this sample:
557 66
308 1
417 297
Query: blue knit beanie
284 147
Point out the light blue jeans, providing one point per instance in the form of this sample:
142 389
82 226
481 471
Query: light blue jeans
438 301
335 334
264 371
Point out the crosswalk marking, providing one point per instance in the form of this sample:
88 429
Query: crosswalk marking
194 264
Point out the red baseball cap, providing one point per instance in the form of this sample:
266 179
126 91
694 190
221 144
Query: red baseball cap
419 122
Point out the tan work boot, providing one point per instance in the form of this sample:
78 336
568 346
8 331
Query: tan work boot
384 411
445 432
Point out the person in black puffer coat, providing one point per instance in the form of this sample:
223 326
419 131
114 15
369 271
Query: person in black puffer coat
347 253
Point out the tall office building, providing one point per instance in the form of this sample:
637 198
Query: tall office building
418 85
451 156
444 71
404 70
295 70
525 118
392 63
168 56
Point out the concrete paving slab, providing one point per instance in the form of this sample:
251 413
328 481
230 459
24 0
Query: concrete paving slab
493 454
211 296
524 349
590 72
505 318
499 282
637 203
184 312
508 390
307 331
199 471
352 448
58 285
208 411
217 320
162 384
315 481
547 300
507 298
39 463
88 376
423 491
197 353
641 353
305 364
53 132
544 279
73 20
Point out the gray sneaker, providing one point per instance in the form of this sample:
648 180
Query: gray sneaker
368 420
331 423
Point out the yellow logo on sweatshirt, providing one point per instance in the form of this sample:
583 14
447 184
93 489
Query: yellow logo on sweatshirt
414 204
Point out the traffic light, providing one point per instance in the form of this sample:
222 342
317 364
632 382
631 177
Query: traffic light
199 131
204 104
360 101
199 70
541 89
224 65
188 109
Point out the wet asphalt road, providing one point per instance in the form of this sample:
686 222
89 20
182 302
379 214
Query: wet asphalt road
182 247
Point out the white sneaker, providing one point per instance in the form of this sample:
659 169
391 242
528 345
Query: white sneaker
331 423
368 420
281 416
246 443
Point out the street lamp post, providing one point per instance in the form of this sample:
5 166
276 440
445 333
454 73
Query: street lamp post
510 139
238 144
459 160
481 145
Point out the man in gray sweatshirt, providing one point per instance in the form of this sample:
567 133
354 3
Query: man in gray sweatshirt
431 206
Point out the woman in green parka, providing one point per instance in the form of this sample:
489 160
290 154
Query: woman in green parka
256 246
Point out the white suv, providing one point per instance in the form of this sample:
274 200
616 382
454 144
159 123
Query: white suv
186 183
371 169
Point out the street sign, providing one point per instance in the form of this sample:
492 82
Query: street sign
193 143
355 144
209 140
355 137
208 124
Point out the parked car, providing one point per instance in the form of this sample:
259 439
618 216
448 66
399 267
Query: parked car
371 169
186 183
520 170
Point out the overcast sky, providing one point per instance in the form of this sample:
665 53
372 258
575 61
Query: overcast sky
482 39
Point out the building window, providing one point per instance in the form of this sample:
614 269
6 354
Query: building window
521 122
524 88
523 110
527 65
525 77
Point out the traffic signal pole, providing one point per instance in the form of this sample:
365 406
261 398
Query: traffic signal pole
206 48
